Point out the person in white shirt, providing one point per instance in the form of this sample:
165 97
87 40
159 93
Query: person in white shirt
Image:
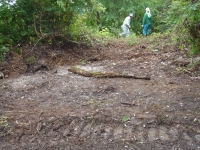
126 26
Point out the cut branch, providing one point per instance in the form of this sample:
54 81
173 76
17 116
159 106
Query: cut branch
35 27
41 35
104 75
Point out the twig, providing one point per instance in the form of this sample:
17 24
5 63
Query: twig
129 104
17 111
56 122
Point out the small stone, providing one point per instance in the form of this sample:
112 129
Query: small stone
174 133
54 71
152 134
118 133
163 134
175 147
1 75
39 126
187 137
66 132
197 137
139 136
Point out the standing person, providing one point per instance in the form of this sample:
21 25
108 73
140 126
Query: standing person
146 22
126 26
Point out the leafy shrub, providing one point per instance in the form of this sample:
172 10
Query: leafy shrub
3 51
185 15
31 59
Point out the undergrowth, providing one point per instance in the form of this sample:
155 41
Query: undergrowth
4 126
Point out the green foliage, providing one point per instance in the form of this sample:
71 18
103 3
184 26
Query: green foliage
92 101
18 51
116 11
4 121
125 118
84 62
184 15
103 36
195 47
192 64
4 126
133 39
99 21
3 51
79 31
28 20
30 59
14 25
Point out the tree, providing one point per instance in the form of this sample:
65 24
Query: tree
117 10
184 16
54 20
41 19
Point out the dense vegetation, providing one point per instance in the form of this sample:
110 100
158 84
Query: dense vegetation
58 21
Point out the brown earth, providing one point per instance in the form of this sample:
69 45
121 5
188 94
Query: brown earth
43 106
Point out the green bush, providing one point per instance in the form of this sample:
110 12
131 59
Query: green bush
3 51
184 15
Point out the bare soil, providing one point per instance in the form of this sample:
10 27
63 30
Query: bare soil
43 106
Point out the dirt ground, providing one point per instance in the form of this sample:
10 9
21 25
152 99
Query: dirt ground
43 106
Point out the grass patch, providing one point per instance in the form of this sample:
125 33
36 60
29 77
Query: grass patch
4 126
4 121
31 59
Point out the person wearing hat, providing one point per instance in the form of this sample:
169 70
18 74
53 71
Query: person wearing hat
126 26
146 22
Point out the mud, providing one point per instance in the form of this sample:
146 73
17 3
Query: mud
51 108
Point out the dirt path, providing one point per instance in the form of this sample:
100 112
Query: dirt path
57 110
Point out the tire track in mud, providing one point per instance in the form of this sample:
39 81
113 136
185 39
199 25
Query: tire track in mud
90 131
102 132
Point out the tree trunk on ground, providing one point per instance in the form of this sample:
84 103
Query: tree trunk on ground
104 75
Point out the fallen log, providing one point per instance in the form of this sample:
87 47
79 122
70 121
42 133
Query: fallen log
85 73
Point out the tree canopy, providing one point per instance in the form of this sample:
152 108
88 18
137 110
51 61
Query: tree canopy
50 20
